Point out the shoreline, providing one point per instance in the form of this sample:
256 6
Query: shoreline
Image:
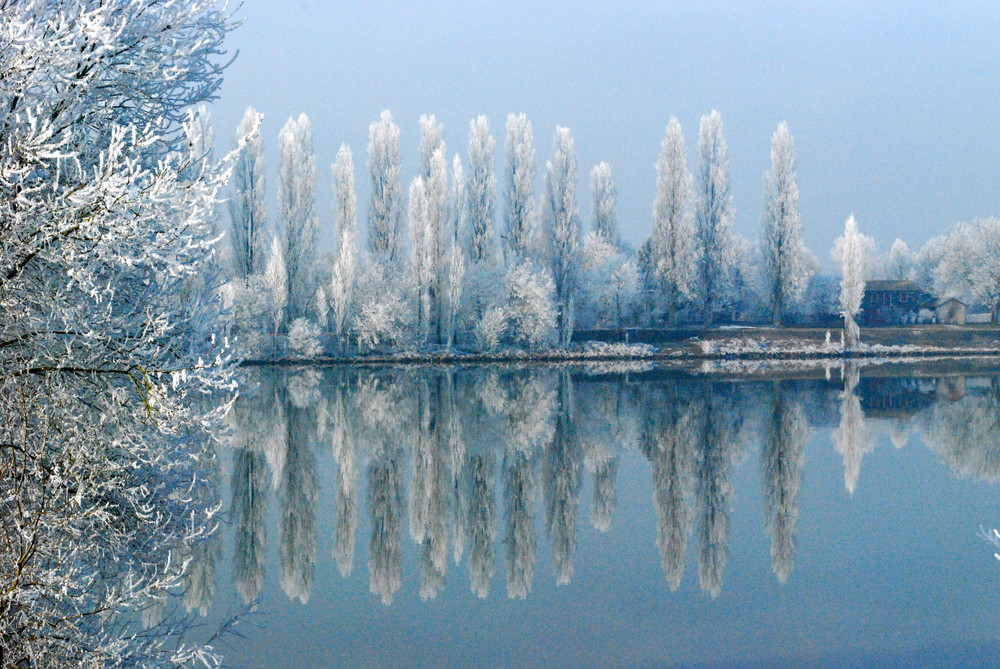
583 357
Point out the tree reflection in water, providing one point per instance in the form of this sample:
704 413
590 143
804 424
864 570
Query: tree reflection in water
485 450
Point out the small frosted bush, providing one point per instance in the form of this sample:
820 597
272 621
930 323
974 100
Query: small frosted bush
490 329
303 338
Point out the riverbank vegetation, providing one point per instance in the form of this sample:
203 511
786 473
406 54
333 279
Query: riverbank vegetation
473 258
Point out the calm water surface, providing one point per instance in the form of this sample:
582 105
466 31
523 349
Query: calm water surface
609 517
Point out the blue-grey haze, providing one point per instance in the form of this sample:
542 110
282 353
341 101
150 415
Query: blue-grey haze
893 105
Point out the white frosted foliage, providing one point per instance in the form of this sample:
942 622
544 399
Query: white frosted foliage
787 263
297 204
849 251
673 245
520 188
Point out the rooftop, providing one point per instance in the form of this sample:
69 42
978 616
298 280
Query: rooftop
875 285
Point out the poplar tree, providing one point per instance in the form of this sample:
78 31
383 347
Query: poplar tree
519 197
673 246
247 207
562 227
297 204
849 250
346 240
602 187
481 190
714 218
385 204
786 260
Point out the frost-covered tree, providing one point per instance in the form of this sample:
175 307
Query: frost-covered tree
275 285
431 139
902 262
297 205
455 265
247 206
714 218
481 191
341 289
786 262
106 214
970 264
385 203
602 188
421 262
562 233
531 309
849 252
673 243
519 196
429 235
609 283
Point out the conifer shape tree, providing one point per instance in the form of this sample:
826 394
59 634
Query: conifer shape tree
786 261
715 217
385 204
602 187
481 190
562 227
850 251
519 196
346 262
247 207
297 202
674 252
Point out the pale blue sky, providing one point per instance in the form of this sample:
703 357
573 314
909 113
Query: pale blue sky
894 109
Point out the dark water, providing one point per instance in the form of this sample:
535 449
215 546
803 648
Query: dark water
648 518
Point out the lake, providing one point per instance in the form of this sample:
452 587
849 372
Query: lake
615 515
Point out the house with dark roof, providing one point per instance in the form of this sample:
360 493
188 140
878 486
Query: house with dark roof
893 302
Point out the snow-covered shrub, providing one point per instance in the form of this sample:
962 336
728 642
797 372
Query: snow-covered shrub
385 316
382 322
610 283
303 338
490 329
531 309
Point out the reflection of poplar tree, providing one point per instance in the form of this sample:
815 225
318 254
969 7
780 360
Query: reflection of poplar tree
603 432
384 416
782 458
455 460
345 453
668 442
249 483
519 491
385 500
562 485
850 438
714 487
431 479
482 520
299 494
605 495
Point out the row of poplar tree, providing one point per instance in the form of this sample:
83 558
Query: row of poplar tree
438 271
